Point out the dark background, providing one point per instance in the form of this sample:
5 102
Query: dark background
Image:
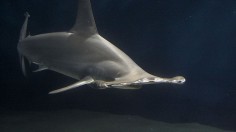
195 39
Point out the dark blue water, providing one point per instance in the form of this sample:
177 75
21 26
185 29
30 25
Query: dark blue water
195 39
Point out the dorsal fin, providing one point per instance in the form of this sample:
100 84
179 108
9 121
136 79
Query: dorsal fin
85 23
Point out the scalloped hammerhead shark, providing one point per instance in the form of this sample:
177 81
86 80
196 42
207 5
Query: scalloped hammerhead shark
83 54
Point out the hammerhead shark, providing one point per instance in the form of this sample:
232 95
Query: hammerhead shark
81 53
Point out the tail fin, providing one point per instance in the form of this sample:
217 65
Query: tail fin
24 27
25 64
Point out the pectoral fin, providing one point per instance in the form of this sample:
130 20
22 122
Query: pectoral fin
86 80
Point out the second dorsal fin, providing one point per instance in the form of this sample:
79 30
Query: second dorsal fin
85 23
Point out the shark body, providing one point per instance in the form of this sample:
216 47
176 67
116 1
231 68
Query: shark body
83 54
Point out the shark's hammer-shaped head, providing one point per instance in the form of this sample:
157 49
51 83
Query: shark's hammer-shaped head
153 80
143 81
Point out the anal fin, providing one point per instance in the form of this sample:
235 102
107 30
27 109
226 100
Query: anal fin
84 81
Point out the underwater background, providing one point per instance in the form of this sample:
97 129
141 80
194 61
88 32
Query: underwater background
195 39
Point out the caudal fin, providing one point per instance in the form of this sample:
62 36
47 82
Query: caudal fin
23 31
25 64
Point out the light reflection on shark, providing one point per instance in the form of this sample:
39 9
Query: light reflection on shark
83 54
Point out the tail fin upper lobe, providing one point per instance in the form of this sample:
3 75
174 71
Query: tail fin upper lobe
24 27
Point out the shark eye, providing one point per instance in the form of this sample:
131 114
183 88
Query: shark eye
180 81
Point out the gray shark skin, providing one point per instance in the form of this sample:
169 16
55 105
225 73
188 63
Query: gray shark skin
83 54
